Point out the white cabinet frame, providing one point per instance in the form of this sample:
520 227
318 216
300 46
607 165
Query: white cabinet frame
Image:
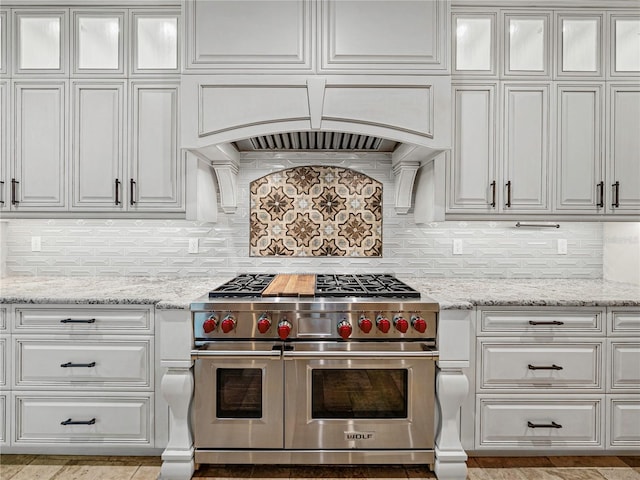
123 41
560 16
496 51
547 19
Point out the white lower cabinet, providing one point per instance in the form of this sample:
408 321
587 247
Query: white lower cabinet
623 420
87 385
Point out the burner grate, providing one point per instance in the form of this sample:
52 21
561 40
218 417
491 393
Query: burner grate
245 285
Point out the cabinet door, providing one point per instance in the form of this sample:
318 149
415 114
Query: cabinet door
154 41
98 42
624 149
580 183
41 42
527 43
475 43
5 181
472 172
98 145
625 57
4 35
156 173
526 147
579 45
38 180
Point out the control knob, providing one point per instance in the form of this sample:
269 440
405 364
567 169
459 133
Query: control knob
264 323
400 323
210 324
228 324
418 323
383 324
284 329
365 324
344 329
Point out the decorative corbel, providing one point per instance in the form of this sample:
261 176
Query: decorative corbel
405 173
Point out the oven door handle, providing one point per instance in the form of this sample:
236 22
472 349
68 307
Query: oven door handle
195 354
292 354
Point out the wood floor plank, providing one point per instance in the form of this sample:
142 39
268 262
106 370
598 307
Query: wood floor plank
37 472
619 473
146 473
588 462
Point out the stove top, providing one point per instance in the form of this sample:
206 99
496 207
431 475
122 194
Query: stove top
363 286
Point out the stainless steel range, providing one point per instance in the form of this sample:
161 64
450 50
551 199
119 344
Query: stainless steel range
314 369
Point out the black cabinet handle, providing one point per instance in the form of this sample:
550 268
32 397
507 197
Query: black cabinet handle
551 367
601 194
616 195
14 198
1 184
68 421
544 425
493 194
73 320
132 184
553 322
508 204
86 365
117 192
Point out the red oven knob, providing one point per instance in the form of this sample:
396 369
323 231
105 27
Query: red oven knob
365 324
228 324
264 324
401 324
344 329
419 324
284 329
210 324
383 324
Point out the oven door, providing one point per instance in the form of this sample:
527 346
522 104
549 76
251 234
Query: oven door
238 396
359 395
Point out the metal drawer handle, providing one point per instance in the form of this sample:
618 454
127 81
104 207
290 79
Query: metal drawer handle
554 322
73 320
14 198
69 364
117 192
601 194
68 421
552 367
1 184
132 185
493 194
616 195
508 204
544 425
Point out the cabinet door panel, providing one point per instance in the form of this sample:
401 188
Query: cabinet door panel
98 144
624 148
623 421
154 41
41 41
155 163
40 134
625 60
580 138
98 42
527 44
5 180
526 158
580 49
4 24
472 169
475 50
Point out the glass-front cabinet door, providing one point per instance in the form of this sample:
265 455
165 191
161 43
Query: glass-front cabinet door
625 41
41 42
154 46
98 42
475 50
527 44
3 42
580 48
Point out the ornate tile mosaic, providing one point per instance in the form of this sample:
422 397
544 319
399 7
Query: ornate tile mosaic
316 211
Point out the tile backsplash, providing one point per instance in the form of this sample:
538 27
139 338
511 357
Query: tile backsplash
126 247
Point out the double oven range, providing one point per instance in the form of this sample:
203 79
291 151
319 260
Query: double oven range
341 374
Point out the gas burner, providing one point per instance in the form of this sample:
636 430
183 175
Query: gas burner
368 285
245 285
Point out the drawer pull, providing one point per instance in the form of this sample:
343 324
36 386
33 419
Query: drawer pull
554 322
68 421
73 320
551 367
69 364
544 425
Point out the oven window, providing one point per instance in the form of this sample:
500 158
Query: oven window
239 393
359 393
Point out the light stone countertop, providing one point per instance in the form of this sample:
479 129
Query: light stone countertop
451 293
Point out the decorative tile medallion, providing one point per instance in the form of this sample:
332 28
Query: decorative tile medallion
315 212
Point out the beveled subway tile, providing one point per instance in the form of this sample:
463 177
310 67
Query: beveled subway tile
618 473
587 462
512 462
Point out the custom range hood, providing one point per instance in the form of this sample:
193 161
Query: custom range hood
315 120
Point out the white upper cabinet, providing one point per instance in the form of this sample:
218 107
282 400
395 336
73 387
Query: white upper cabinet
475 48
580 48
625 41
4 29
41 42
527 44
154 45
98 42
4 167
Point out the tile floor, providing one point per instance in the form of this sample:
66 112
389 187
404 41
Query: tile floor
58 467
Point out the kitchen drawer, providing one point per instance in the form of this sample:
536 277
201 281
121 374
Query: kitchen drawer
539 366
4 418
83 319
3 319
624 321
623 422
624 365
108 362
117 419
540 423
4 355
541 322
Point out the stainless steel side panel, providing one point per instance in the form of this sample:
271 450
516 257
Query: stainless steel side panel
317 457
